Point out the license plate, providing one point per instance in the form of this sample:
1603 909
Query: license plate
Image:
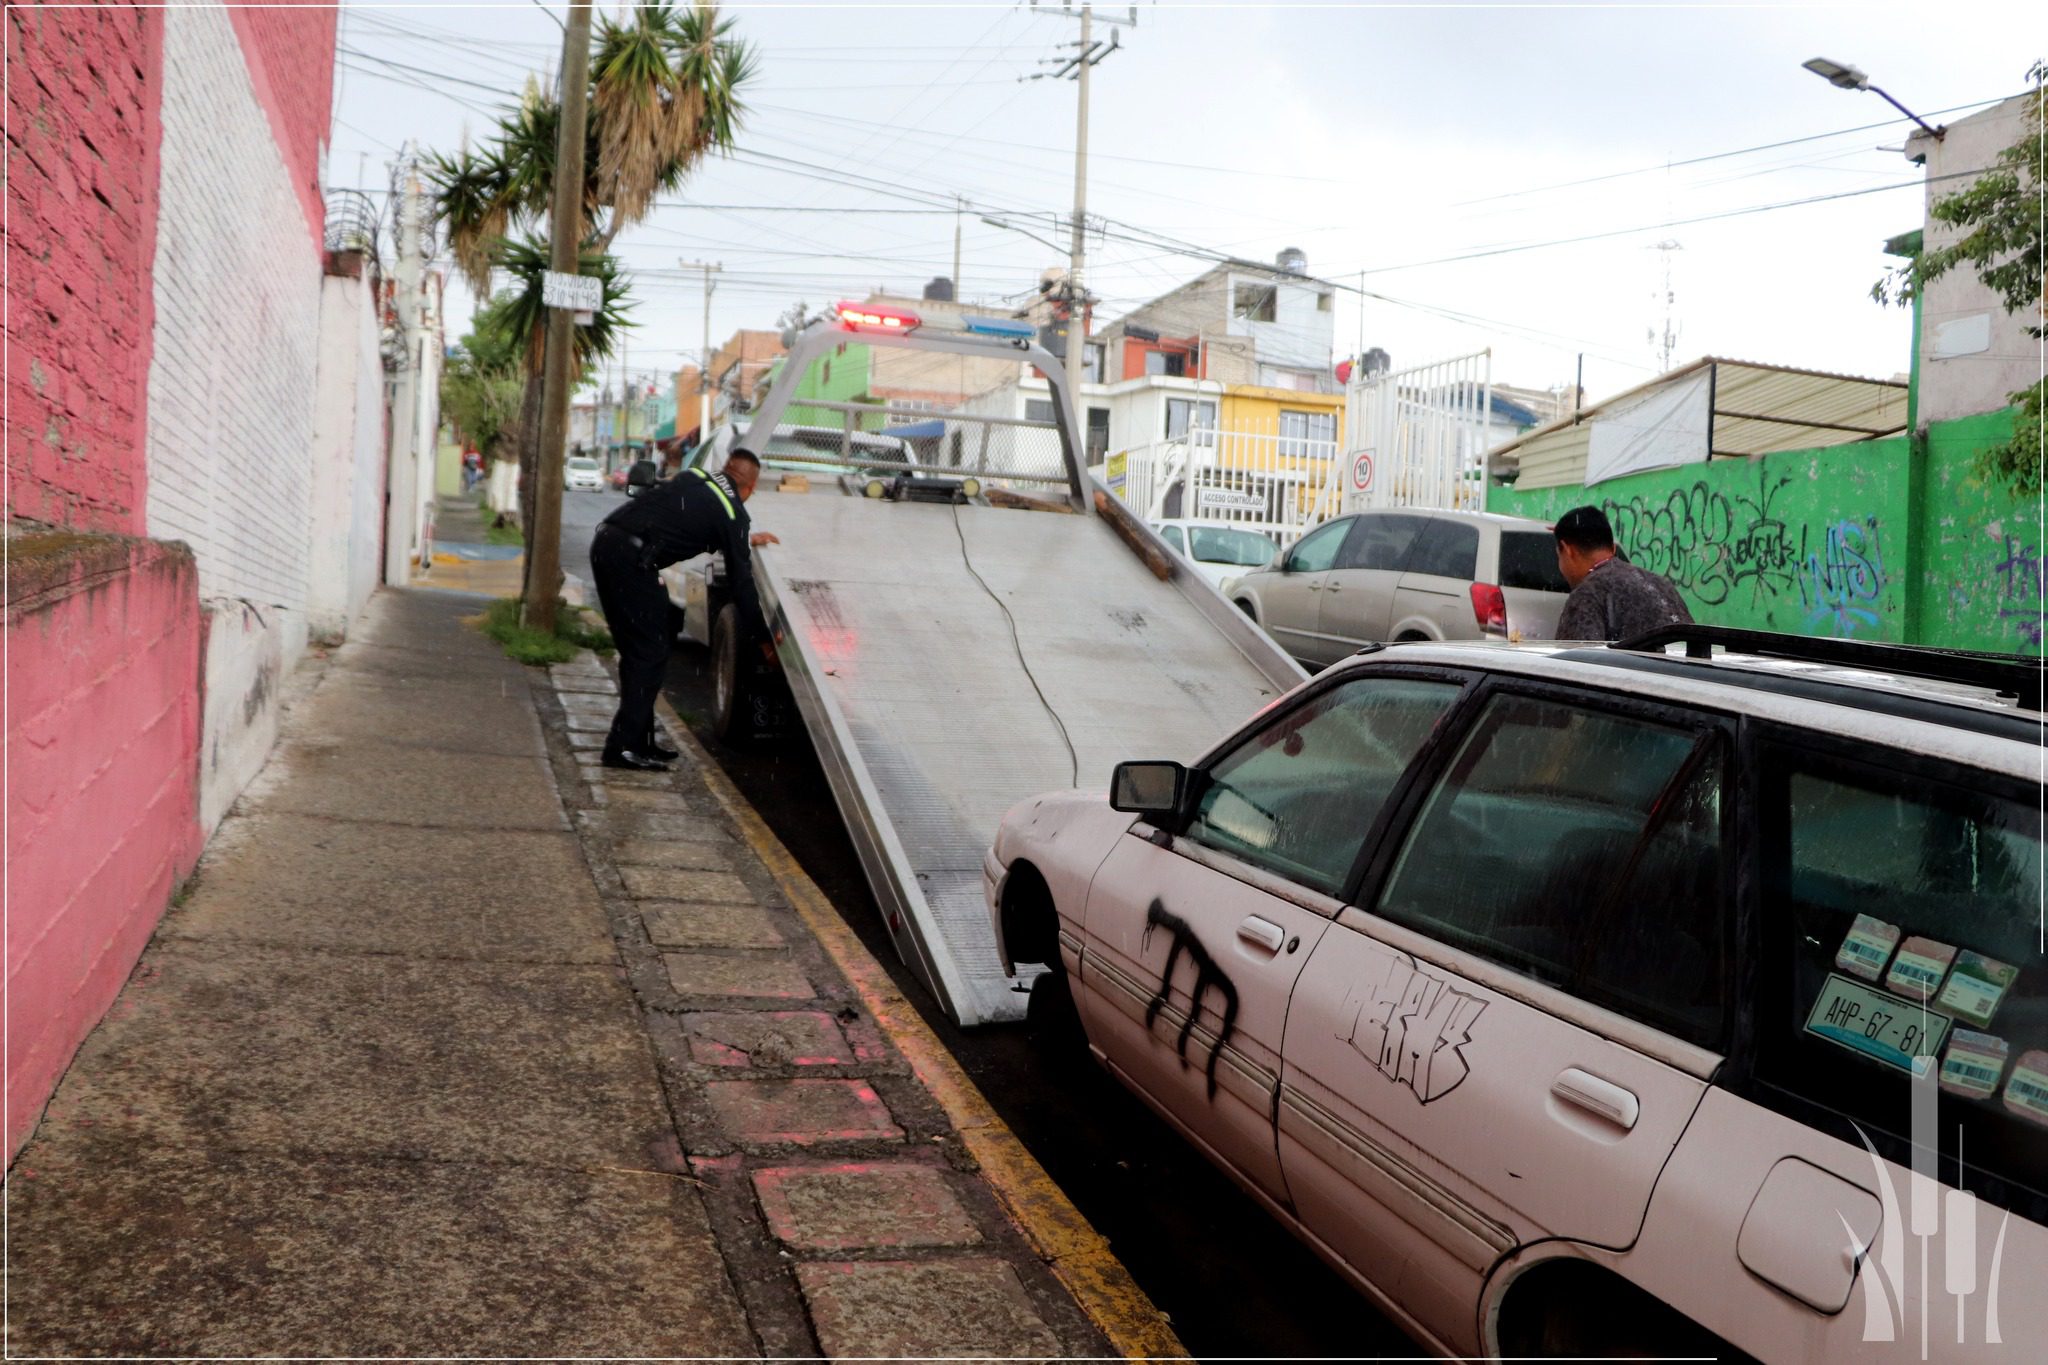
1899 1033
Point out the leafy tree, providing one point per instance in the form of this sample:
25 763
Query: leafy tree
1999 233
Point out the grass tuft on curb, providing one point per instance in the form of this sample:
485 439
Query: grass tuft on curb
500 621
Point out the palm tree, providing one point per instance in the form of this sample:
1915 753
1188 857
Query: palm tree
665 94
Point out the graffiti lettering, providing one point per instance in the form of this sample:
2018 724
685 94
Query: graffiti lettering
1840 582
1208 976
1413 1026
2023 589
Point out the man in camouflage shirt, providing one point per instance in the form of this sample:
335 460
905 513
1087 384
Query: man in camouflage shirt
1611 598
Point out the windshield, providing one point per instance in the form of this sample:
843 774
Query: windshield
584 466
1223 545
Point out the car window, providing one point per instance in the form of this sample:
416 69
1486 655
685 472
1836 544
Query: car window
1915 910
1172 536
1317 550
1300 796
1381 542
1221 545
1447 548
1583 848
1528 559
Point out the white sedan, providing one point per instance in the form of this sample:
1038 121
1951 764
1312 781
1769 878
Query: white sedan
1217 550
582 473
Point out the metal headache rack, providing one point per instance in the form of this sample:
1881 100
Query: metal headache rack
2008 675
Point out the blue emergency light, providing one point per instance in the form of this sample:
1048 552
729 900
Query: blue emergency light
1013 329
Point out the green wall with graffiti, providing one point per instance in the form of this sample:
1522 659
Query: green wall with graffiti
1893 539
841 377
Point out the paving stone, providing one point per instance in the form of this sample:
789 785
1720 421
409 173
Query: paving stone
585 685
629 824
685 884
863 1204
766 978
710 857
593 740
655 803
760 1113
899 1309
695 925
765 1038
628 777
123 1248
577 720
589 703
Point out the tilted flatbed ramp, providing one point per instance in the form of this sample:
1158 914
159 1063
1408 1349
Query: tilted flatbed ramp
950 660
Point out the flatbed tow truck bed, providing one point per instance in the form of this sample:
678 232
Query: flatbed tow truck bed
951 659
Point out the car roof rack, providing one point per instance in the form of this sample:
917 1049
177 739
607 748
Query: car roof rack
2010 675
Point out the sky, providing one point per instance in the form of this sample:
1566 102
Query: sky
1441 158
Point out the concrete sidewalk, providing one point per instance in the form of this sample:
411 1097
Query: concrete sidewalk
456 1047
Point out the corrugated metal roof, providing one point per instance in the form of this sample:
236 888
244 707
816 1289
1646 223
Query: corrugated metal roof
1758 409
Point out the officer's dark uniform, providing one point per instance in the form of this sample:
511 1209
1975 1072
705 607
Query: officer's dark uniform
679 518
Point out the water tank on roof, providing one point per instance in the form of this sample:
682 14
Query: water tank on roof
1293 260
940 290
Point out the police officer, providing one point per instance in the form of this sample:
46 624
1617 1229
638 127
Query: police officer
679 518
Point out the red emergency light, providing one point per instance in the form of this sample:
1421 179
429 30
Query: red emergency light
862 317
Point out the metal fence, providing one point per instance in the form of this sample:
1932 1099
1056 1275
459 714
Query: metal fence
1279 486
1418 437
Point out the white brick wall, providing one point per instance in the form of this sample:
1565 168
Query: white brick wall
232 372
232 376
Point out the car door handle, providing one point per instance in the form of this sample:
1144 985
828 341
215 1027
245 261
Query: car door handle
1605 1099
1262 932
1315 587
1335 586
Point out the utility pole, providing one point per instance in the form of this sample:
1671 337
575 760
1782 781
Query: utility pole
544 574
958 205
1087 54
709 268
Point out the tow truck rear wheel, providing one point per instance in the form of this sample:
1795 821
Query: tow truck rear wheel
732 703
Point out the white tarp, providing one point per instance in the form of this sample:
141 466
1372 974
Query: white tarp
1666 427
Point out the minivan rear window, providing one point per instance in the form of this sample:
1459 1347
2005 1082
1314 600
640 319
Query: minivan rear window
1449 549
1528 559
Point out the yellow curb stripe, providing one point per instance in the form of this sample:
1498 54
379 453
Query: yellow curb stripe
1057 1231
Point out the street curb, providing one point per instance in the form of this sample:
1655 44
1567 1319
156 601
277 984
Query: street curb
1056 1230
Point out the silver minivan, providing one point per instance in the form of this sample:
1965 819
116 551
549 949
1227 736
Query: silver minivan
1411 574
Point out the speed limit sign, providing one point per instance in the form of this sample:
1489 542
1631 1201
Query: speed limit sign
1361 470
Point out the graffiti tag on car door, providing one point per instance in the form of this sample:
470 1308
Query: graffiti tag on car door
1412 1025
1208 976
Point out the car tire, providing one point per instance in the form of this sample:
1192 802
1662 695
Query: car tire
1051 1017
732 703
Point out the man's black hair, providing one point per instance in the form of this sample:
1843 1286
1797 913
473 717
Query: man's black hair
1584 529
742 453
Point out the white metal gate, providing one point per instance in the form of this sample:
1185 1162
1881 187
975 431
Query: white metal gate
1418 437
1279 486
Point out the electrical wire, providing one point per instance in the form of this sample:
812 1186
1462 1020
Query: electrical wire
1017 644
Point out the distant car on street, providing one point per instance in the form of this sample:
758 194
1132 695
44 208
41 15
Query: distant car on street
582 473
1218 550
1656 999
618 478
1412 574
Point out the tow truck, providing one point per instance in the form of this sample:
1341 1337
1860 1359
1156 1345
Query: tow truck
964 617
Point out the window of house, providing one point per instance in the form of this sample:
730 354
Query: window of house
1323 303
1038 410
1182 414
1255 302
1307 433
1098 434
1300 796
1093 360
1171 363
1582 848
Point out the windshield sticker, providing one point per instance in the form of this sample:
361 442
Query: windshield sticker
1919 967
1976 986
1413 1026
1897 1032
1208 976
1868 947
2026 1094
1973 1064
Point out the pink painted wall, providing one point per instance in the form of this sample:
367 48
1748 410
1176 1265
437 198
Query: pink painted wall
289 45
83 135
103 651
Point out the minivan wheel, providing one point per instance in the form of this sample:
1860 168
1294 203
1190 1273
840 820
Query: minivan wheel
731 702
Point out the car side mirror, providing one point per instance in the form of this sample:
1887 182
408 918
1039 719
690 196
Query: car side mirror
1154 790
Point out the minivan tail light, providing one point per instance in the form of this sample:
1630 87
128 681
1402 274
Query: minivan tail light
1490 608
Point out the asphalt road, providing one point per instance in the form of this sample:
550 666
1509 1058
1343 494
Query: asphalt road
1232 1280
581 512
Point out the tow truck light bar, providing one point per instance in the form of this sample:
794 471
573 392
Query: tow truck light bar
859 317
1013 329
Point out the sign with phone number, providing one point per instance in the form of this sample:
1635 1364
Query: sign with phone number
1899 1033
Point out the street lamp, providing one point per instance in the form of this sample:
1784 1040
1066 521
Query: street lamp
1845 77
